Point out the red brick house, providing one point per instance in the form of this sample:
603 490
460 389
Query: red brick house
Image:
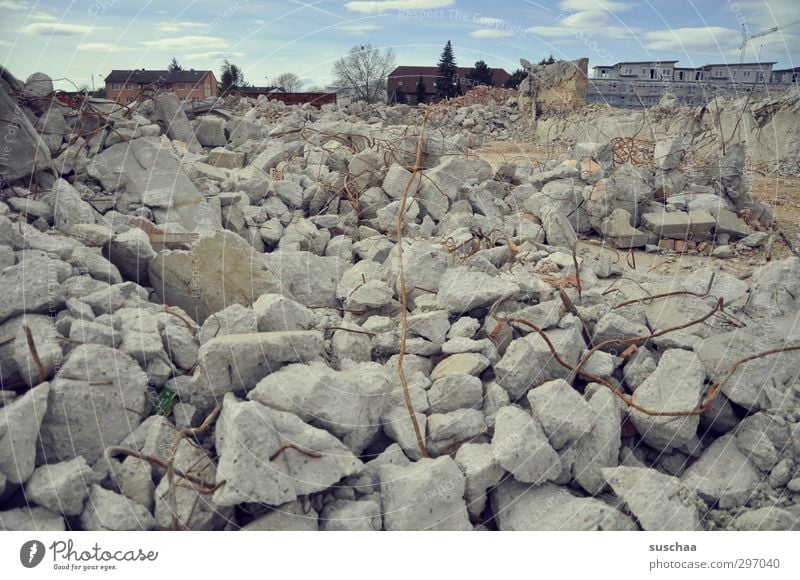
125 86
404 78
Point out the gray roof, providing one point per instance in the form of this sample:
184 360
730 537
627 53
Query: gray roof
154 76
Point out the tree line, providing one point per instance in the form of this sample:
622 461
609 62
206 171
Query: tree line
363 72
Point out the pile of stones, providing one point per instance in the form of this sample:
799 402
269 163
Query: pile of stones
214 323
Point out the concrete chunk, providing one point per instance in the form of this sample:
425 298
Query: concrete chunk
676 385
723 474
658 502
425 495
520 446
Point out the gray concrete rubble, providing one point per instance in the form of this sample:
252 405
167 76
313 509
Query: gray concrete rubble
250 315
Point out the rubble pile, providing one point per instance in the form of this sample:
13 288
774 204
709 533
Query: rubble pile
283 318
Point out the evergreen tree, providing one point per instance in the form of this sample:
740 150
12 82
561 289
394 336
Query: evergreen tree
422 94
447 75
232 78
548 60
174 66
516 78
400 97
480 74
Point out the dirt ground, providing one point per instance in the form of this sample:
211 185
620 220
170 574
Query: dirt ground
782 193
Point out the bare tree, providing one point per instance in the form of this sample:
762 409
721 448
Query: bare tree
290 82
363 72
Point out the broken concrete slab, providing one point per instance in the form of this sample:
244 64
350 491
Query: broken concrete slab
225 158
272 457
68 207
24 150
148 164
548 507
562 412
61 487
352 516
528 361
237 362
762 383
348 403
295 516
521 447
455 391
599 446
730 223
97 398
723 474
219 270
676 385
210 131
462 289
425 495
22 289
20 421
171 112
309 279
618 230
31 519
45 337
672 225
108 511
482 472
659 502
131 253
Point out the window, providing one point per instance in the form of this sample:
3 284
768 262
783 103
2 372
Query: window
761 75
627 71
181 86
733 74
603 73
128 86
115 86
612 88
698 76
680 75
644 71
654 89
690 90
400 83
665 72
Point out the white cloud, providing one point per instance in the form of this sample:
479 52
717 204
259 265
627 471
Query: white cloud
706 39
490 33
358 27
13 5
605 5
100 47
214 55
184 41
55 29
586 24
488 21
762 14
380 6
39 15
4 43
178 26
585 19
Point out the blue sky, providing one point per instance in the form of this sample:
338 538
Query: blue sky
75 40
